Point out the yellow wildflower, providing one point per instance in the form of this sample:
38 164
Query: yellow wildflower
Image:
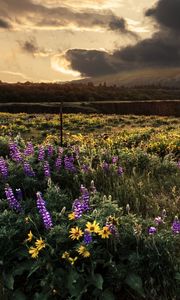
72 260
34 252
104 233
71 216
30 237
93 227
82 250
113 220
40 244
75 233
65 255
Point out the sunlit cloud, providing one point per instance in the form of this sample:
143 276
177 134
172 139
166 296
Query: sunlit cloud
16 74
96 4
135 26
60 64
34 34
28 14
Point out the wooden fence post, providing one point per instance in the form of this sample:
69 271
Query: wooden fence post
61 124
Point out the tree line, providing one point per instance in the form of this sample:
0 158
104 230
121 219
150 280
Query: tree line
75 92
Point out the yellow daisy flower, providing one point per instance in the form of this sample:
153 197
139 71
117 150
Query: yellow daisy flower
82 250
65 255
30 237
34 252
93 227
75 233
40 244
104 233
113 220
71 216
72 260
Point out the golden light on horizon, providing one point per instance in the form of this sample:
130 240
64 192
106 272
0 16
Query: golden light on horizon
60 64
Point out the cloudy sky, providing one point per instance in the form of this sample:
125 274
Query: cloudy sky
60 40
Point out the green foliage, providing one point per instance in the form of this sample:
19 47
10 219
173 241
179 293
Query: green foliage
129 263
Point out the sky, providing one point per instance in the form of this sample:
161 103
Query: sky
62 40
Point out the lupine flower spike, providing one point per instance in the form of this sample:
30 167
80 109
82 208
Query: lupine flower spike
41 205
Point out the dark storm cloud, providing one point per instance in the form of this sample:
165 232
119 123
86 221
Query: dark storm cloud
161 50
167 13
4 24
90 62
25 11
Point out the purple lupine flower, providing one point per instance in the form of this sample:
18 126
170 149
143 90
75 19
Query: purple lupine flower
178 164
19 194
87 237
15 153
47 169
13 202
112 228
152 230
81 204
29 150
105 166
120 171
3 168
41 153
28 169
58 163
158 220
77 208
69 164
114 159
85 168
176 225
41 205
85 199
50 150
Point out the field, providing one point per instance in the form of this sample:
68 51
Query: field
146 107
96 218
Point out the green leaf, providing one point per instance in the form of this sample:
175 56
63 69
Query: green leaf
21 268
135 282
177 276
98 281
107 295
40 296
18 295
9 281
73 284
34 268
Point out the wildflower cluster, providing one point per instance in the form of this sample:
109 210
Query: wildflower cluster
41 154
3 168
29 150
28 169
69 163
15 152
80 205
38 246
13 202
41 205
176 225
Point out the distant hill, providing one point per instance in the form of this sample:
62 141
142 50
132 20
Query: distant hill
164 77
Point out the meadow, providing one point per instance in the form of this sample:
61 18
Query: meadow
95 218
